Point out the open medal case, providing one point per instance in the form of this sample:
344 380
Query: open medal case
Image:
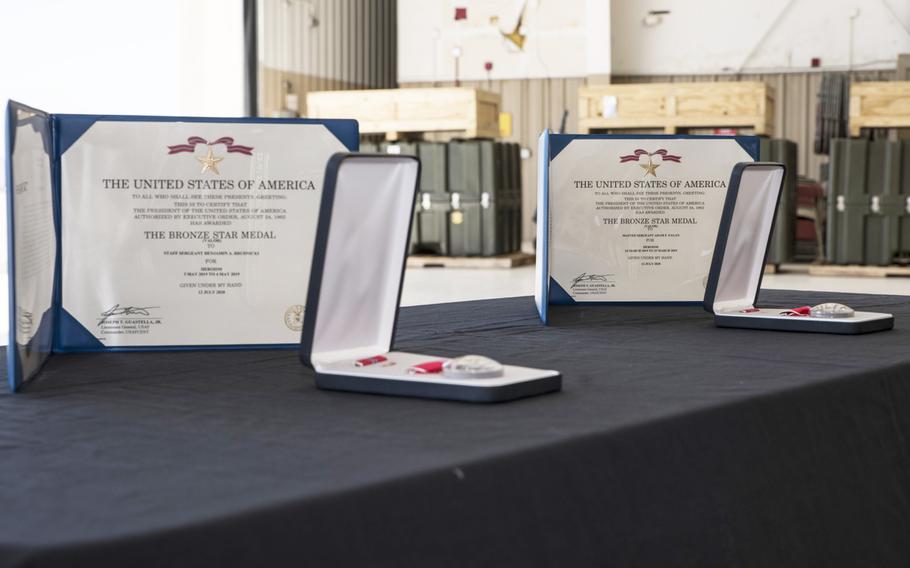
739 262
355 290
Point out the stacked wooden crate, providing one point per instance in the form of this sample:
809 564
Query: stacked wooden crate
879 104
675 106
470 113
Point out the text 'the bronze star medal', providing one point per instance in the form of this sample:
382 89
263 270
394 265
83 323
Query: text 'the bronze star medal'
210 162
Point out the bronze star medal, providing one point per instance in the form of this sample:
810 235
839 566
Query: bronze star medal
210 162
650 168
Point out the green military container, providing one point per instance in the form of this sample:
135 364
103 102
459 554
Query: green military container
511 213
433 167
476 186
848 201
869 214
886 204
464 167
510 195
513 155
903 253
783 240
478 223
492 203
506 196
432 212
465 226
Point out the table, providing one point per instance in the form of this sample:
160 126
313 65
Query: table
672 443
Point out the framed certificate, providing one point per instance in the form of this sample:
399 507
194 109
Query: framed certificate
630 218
160 232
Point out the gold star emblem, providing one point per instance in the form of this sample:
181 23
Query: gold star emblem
650 168
210 162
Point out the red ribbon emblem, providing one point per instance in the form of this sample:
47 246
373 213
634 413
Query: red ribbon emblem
665 156
191 142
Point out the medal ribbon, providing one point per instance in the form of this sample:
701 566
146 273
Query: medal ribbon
638 153
191 142
667 157
801 311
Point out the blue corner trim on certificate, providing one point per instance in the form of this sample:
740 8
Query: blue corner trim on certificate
630 219
150 232
542 271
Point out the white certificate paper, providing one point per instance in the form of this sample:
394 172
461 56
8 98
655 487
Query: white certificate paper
33 233
191 233
636 219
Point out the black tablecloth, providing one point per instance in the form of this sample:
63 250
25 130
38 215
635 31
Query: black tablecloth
672 443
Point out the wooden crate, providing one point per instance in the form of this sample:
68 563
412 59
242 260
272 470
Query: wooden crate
471 112
672 106
879 104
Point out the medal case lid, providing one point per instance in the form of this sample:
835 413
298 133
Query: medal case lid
359 257
744 236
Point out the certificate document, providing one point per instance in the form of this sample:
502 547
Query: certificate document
635 219
189 233
160 232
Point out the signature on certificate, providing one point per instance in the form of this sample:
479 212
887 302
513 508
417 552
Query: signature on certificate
585 277
119 310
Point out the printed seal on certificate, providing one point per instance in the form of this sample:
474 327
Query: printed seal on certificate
293 317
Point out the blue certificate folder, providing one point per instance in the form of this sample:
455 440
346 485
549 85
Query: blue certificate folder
36 143
581 180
